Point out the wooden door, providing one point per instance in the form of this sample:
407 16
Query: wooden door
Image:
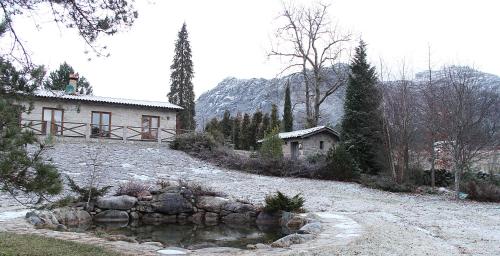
53 121
149 127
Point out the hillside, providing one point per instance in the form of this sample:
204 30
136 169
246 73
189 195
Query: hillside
248 95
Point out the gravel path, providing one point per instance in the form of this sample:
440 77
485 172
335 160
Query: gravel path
394 224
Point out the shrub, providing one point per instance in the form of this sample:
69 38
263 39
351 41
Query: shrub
87 193
443 178
272 145
132 188
482 191
198 189
385 183
281 202
340 165
63 202
316 158
193 142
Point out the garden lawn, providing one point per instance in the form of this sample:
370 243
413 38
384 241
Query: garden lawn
16 244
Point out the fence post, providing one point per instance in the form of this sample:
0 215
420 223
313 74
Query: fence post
158 134
87 131
124 133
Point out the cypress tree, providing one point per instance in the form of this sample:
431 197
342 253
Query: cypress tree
266 124
181 87
60 78
275 121
226 125
236 137
362 121
287 111
255 128
246 132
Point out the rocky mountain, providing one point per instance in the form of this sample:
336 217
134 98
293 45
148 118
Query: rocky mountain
248 95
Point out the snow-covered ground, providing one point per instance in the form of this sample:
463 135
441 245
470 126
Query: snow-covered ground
393 224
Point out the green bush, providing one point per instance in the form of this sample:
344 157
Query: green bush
272 145
193 142
63 202
281 202
482 191
340 165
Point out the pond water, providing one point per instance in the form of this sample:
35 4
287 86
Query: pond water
193 236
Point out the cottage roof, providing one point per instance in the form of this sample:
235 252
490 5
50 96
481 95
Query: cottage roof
92 98
306 133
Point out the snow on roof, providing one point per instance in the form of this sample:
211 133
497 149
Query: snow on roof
304 133
93 98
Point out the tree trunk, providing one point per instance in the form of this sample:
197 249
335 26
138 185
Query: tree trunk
433 171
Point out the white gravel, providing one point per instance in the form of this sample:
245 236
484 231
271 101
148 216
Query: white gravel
394 224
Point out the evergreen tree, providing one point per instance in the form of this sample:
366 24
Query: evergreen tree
246 132
22 170
287 111
226 125
275 120
181 87
60 78
362 121
236 132
255 128
266 125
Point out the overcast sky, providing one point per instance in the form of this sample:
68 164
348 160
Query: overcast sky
231 38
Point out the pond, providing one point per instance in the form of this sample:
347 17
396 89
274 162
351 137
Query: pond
192 236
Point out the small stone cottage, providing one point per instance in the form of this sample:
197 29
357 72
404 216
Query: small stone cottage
69 114
303 143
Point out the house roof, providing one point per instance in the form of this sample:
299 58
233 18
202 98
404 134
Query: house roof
306 133
92 98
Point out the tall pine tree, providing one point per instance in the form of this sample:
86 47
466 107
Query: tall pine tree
287 111
275 120
246 132
362 121
237 132
226 125
181 87
60 78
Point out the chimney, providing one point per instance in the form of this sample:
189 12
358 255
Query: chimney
71 87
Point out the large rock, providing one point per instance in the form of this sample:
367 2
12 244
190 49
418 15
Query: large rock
211 203
143 206
42 219
312 228
238 207
111 216
211 218
292 221
123 202
72 217
172 203
239 218
265 218
292 239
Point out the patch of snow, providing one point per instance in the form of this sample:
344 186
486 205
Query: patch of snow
140 176
12 215
125 165
171 252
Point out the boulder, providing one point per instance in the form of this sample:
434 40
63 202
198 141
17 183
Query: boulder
134 215
197 218
157 218
172 203
144 206
211 218
292 239
72 217
265 218
238 218
211 203
111 216
122 202
144 196
42 219
238 207
312 228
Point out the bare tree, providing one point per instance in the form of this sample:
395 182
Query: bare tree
471 118
400 109
90 18
310 42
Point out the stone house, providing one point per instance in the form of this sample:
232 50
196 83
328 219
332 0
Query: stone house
66 114
307 142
